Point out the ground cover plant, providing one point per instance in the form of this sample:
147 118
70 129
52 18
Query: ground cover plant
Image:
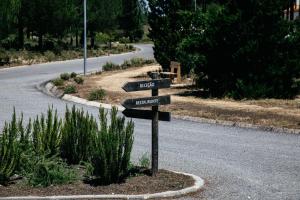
134 62
48 149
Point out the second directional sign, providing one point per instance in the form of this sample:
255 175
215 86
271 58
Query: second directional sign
146 102
147 85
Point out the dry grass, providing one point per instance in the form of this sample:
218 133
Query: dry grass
265 112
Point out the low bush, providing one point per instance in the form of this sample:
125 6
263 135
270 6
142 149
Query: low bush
79 80
65 76
97 94
70 89
113 146
109 66
51 171
78 134
73 75
9 150
4 58
144 161
58 82
46 134
44 151
50 56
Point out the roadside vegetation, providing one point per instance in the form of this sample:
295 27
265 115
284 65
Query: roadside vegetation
237 49
70 83
36 31
48 149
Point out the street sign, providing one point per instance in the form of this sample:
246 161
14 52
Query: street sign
155 115
146 102
147 85
146 114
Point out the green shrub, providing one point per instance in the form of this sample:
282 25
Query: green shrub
50 56
136 62
65 76
73 75
78 134
51 171
97 94
109 66
4 58
70 89
9 150
58 82
46 134
113 146
144 161
79 80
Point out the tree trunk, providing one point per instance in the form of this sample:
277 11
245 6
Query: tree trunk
292 4
77 42
92 40
40 41
71 41
20 33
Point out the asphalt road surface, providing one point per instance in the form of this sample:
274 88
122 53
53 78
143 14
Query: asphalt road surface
236 163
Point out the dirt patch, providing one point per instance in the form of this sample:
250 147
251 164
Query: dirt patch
187 101
164 181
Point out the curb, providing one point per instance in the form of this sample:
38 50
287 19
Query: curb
51 90
199 183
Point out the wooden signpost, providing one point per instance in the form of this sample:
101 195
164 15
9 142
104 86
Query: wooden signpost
155 115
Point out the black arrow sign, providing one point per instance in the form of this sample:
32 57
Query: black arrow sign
146 114
146 102
147 85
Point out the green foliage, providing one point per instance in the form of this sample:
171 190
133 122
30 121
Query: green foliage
256 51
50 171
73 75
133 62
144 161
65 76
70 89
103 38
131 20
58 82
50 56
9 150
113 146
109 66
46 134
97 94
4 58
79 80
167 28
78 134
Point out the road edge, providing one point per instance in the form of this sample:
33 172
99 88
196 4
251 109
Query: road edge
199 183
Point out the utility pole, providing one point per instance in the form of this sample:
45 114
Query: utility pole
84 40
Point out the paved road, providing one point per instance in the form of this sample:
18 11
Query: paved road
236 163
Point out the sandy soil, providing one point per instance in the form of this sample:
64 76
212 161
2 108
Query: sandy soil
268 112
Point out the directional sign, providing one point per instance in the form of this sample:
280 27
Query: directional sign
146 114
148 101
147 85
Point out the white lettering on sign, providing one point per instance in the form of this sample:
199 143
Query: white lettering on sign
147 85
149 101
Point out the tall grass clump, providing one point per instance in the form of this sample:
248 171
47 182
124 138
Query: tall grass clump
46 135
78 134
9 150
113 146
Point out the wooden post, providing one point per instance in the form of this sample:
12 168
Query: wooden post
154 131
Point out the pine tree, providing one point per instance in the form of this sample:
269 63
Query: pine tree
132 19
